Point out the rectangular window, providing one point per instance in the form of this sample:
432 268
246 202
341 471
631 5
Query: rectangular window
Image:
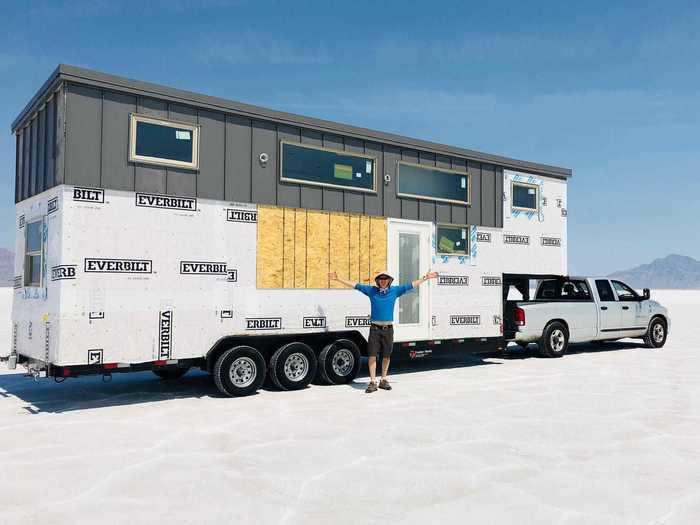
562 290
452 240
163 142
525 196
604 291
33 252
319 166
409 268
435 184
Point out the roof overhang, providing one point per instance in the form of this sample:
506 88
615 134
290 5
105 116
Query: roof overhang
72 74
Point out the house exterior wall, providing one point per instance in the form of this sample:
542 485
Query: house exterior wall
96 155
151 281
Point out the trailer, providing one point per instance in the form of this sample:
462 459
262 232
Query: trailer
159 229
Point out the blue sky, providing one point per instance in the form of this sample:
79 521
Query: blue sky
610 90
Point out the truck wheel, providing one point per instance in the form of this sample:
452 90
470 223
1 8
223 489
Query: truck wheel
339 362
293 366
170 373
656 334
555 340
239 371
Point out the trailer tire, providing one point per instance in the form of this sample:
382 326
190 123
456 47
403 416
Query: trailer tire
555 340
170 374
656 333
293 366
239 371
339 362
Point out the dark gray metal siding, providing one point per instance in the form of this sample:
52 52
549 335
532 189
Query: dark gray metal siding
95 154
35 169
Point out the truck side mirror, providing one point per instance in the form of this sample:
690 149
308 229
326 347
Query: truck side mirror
647 294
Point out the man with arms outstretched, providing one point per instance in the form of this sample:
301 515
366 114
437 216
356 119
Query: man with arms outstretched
382 298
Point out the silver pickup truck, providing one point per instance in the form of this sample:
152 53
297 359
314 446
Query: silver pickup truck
581 309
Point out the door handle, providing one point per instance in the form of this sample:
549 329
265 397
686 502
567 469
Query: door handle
603 307
625 307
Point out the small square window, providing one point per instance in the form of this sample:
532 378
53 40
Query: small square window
452 240
33 252
525 196
163 142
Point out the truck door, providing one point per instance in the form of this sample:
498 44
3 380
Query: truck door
408 259
609 312
632 321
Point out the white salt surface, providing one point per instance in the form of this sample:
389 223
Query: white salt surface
601 436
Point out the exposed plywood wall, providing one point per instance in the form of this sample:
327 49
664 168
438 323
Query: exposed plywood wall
297 248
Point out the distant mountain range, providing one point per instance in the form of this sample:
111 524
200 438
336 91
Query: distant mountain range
7 267
671 272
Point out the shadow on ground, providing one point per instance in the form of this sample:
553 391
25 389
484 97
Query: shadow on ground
91 392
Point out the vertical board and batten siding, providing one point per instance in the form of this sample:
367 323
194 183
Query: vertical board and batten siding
36 152
95 154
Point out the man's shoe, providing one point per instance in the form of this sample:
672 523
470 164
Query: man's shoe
384 385
372 387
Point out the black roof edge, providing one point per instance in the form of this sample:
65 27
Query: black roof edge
78 75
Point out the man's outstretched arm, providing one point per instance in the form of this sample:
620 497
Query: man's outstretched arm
333 276
427 276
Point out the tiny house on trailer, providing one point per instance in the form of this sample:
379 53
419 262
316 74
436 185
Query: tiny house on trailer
159 229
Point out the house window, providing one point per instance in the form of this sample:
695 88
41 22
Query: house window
163 142
33 252
525 196
435 184
319 166
452 240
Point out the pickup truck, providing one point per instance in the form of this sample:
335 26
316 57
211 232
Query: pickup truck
581 309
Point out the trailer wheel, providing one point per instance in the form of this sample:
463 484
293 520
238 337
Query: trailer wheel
239 371
555 340
293 366
656 334
339 362
170 373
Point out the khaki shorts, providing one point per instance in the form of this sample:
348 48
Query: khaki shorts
381 340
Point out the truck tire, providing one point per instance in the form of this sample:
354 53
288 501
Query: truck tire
293 366
239 371
170 373
656 334
555 340
339 362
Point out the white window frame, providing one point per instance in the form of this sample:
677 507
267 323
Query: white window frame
28 255
134 118
468 189
374 161
467 247
525 185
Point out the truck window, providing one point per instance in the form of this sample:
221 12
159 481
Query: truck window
624 292
604 290
573 290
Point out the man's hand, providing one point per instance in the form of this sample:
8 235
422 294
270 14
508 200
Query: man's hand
333 276
429 275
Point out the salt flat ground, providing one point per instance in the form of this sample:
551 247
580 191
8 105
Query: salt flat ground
601 436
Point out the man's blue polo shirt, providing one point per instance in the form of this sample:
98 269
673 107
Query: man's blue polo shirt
383 302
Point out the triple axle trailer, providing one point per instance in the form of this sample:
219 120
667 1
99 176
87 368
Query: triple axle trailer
162 230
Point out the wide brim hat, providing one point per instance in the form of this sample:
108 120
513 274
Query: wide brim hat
383 274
